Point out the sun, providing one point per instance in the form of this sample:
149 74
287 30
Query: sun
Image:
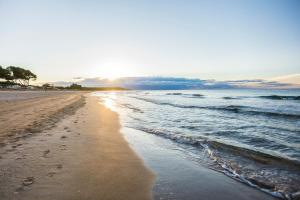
112 74
115 70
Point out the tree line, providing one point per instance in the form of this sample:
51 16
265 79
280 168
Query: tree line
17 75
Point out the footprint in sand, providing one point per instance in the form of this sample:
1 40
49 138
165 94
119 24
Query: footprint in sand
46 153
9 150
51 174
63 147
59 166
63 137
28 181
16 145
10 135
19 189
26 135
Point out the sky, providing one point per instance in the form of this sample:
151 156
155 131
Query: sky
206 39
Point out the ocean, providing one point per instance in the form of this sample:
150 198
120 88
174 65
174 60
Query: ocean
252 136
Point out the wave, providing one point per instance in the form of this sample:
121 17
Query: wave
200 140
273 97
198 95
186 95
252 111
129 106
279 97
231 108
276 175
230 98
174 93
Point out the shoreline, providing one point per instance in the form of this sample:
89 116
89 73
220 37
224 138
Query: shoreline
82 156
221 140
82 151
180 177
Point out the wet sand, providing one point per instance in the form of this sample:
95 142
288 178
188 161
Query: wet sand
77 152
178 177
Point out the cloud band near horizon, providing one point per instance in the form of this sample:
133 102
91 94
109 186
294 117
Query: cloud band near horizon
174 83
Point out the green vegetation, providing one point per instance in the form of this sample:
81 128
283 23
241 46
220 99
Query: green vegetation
75 86
103 88
47 86
16 76
5 74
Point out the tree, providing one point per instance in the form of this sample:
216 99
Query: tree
5 74
29 75
21 76
46 86
75 86
2 73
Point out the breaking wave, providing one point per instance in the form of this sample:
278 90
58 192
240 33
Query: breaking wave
278 97
276 175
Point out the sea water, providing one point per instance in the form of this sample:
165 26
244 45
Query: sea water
250 135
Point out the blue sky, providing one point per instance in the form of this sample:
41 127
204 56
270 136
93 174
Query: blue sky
213 39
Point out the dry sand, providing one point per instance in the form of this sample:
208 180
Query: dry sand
23 113
81 156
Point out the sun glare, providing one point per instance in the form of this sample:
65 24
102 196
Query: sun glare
114 70
109 103
113 76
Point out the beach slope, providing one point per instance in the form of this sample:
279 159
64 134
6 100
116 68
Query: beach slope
81 156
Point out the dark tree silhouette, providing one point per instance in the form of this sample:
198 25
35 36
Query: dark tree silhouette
75 86
5 74
28 75
47 86
21 76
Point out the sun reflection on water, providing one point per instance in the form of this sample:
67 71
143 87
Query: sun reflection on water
109 100
109 103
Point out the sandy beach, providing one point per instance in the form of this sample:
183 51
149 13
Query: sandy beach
29 112
66 146
150 100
